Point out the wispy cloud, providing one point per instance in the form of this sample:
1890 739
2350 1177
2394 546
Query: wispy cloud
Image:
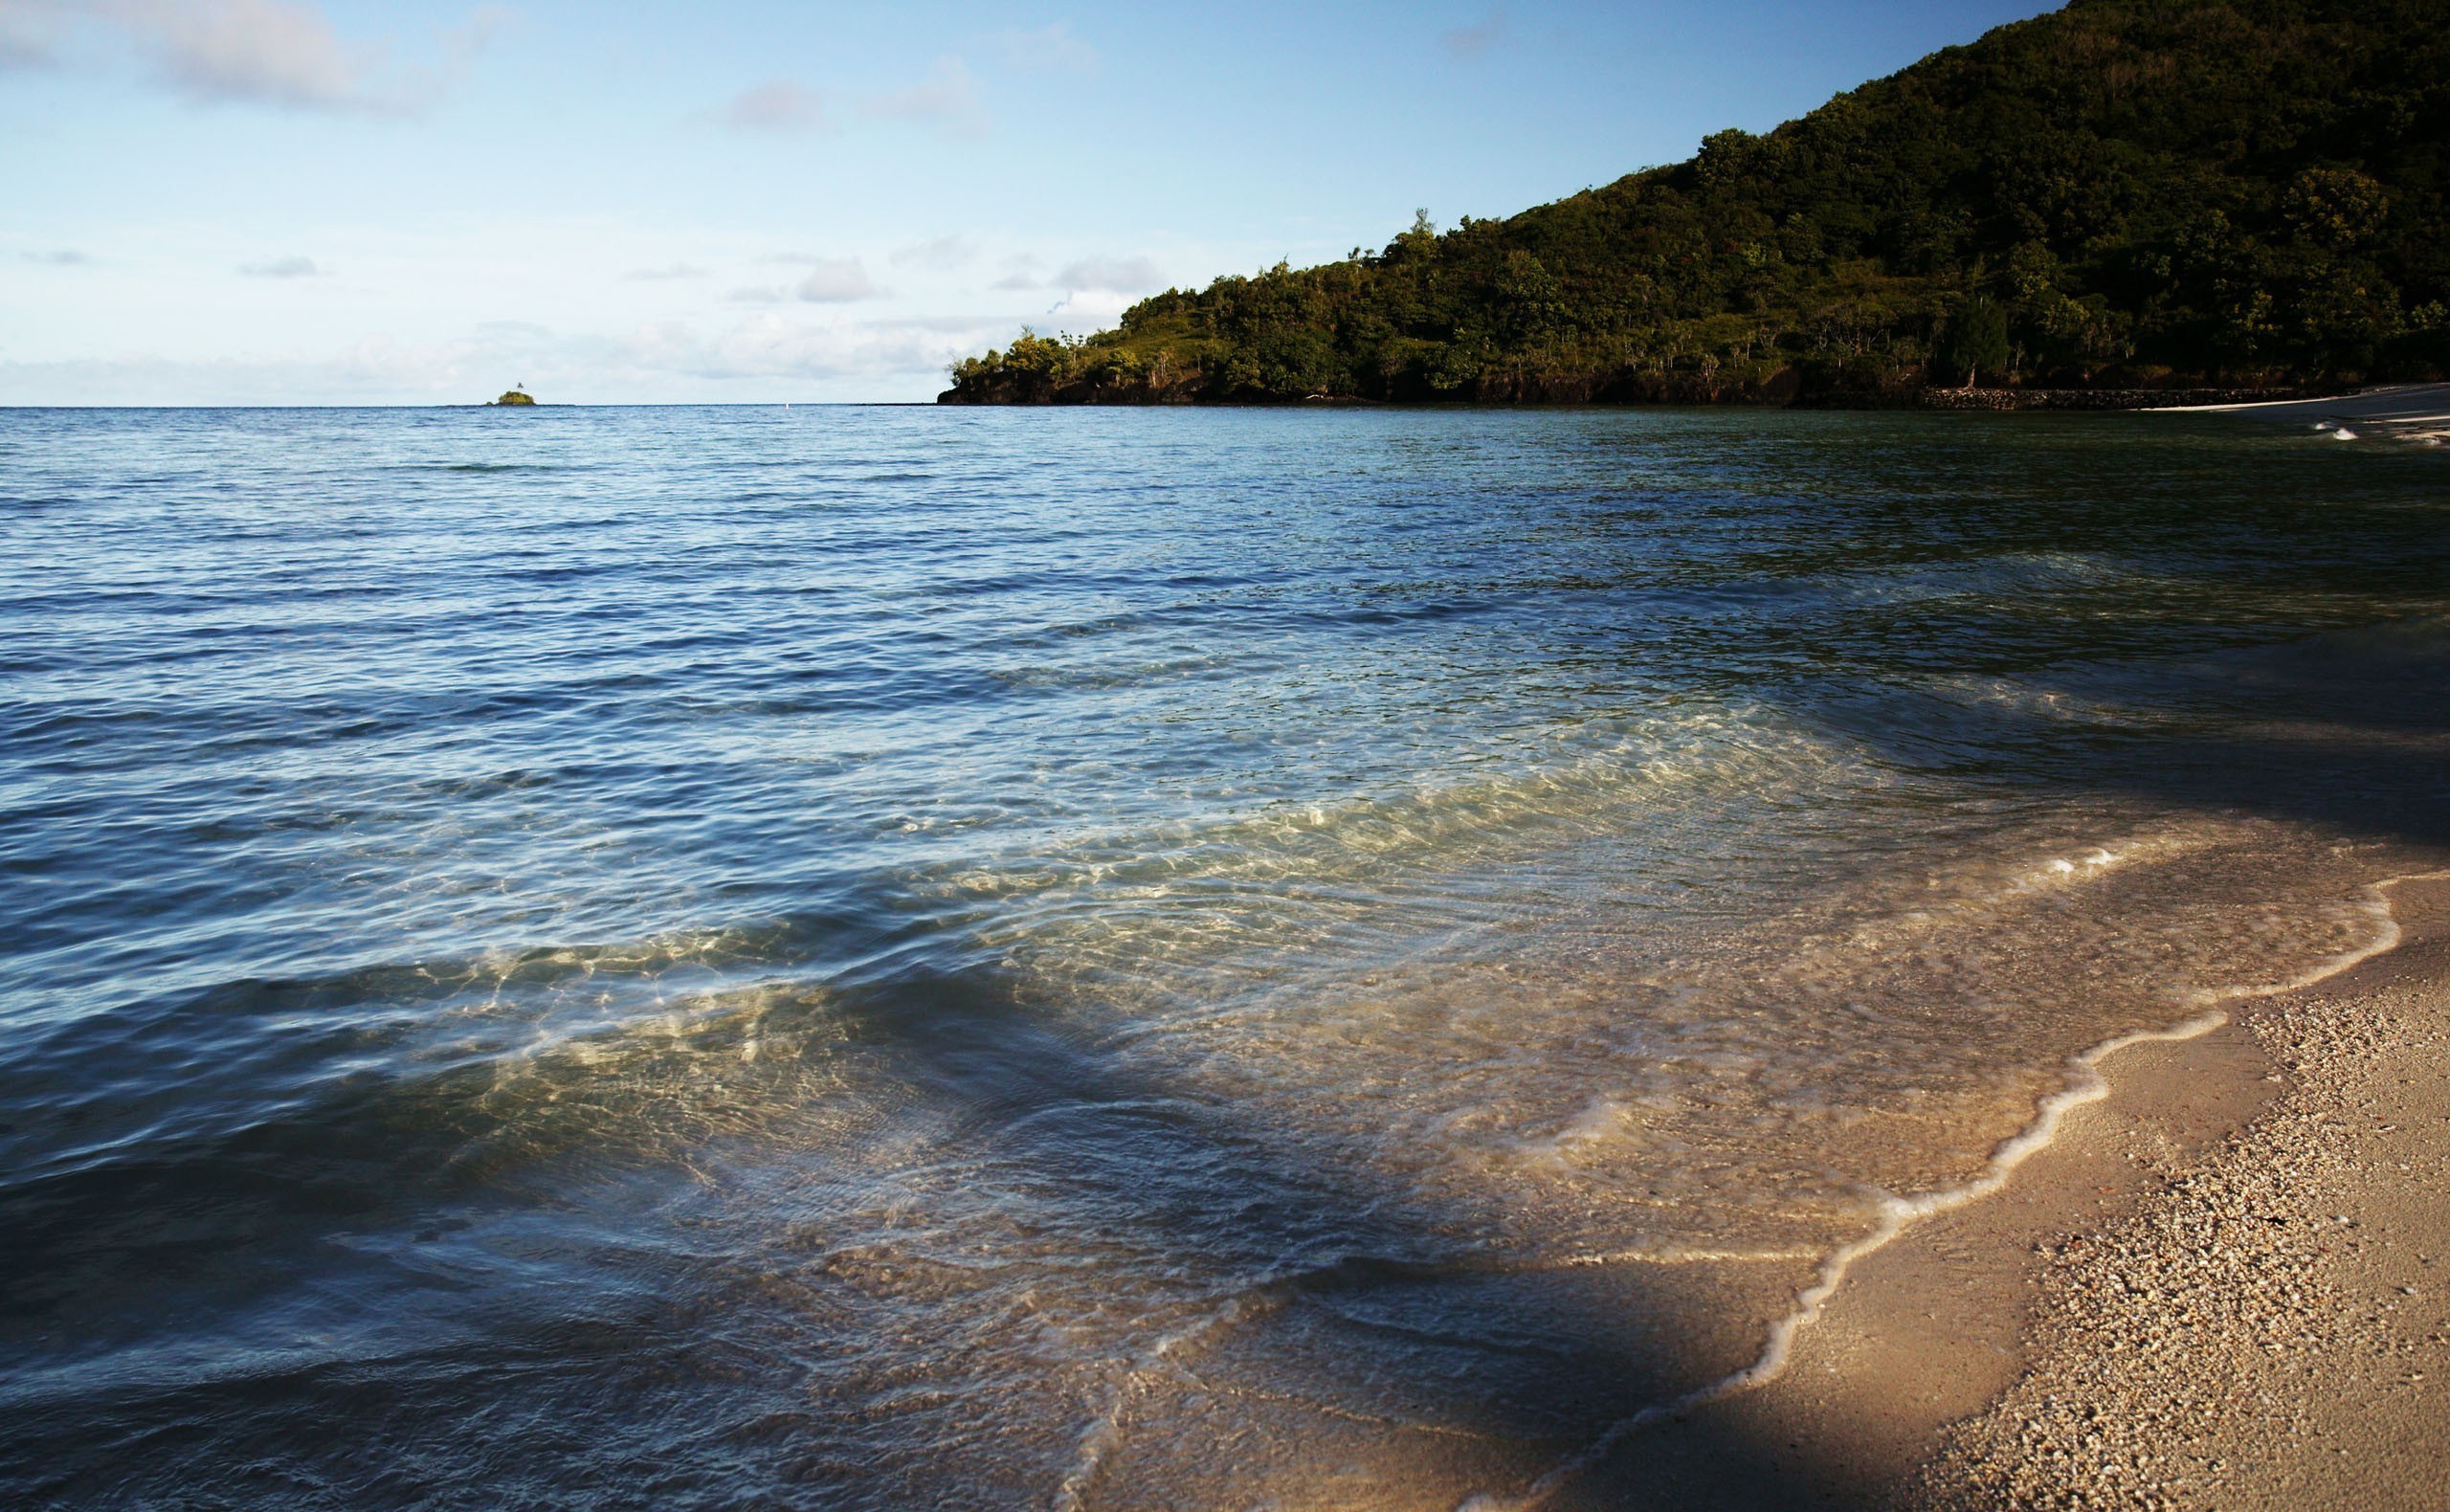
1050 48
777 105
30 33
835 282
1109 275
774 345
947 98
60 257
829 281
1471 41
282 267
254 50
461 44
1087 285
1021 272
663 274
779 352
282 53
941 252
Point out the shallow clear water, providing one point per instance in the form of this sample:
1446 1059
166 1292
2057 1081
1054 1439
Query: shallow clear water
867 958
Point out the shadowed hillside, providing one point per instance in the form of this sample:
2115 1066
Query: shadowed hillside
2126 193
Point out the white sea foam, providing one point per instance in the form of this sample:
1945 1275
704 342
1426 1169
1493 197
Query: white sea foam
1684 1254
1894 1214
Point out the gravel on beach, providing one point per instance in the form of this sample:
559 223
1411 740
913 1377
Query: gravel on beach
2273 1329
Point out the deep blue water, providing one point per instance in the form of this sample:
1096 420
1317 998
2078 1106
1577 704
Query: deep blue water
869 958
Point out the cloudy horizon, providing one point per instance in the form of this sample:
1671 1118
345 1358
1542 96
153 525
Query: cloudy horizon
279 200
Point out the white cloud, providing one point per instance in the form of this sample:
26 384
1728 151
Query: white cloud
221 51
760 354
1471 41
1052 47
462 43
941 252
30 33
778 347
777 105
664 274
1090 275
948 98
839 283
60 257
282 267
1021 272
1110 275
830 280
776 352
282 53
1087 310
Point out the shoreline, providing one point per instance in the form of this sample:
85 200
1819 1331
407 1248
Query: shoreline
1913 1373
2261 1332
2418 412
2200 397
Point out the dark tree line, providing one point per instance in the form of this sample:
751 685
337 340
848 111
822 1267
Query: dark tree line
2122 194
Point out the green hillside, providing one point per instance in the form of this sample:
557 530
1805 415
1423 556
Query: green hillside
2122 194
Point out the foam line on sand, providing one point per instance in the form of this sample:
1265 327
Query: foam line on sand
1895 1215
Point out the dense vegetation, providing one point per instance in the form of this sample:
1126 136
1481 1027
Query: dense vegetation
2124 193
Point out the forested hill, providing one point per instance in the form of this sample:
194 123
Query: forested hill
2122 194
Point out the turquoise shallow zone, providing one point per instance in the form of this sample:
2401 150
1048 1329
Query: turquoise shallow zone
874 957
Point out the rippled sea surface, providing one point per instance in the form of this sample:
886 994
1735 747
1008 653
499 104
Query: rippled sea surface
878 958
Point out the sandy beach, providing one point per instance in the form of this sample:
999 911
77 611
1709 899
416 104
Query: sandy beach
2269 1329
2418 412
2224 1283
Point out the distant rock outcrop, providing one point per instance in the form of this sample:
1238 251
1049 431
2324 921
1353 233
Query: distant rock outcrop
514 396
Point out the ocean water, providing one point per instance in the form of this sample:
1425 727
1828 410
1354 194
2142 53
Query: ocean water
872 957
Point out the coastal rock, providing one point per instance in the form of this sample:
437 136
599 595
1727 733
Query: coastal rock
512 396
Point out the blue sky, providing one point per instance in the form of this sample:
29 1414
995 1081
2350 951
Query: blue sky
282 201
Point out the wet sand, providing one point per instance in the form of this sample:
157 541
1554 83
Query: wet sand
2225 1283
